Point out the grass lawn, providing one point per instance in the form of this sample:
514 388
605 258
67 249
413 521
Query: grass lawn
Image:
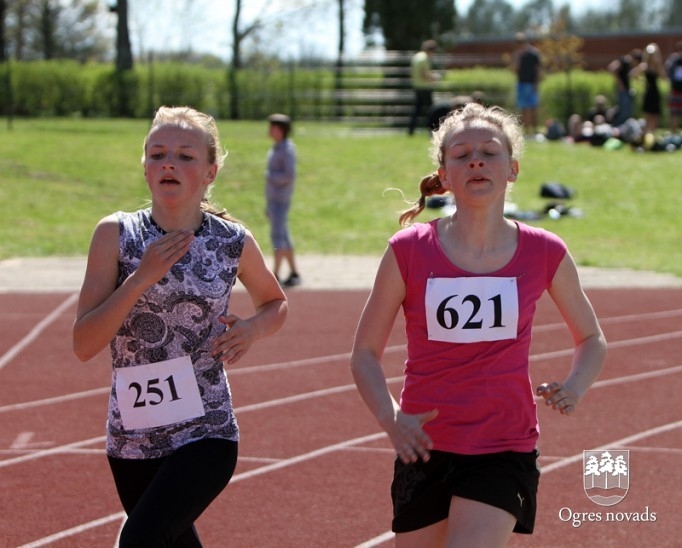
60 176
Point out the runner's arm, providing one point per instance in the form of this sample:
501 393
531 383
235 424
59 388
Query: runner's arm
589 341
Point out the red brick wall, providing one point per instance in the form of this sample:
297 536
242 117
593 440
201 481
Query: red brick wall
598 50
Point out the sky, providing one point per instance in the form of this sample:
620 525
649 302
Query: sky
205 25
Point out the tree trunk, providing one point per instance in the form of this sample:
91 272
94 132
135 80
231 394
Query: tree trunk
235 63
3 36
338 81
47 26
124 54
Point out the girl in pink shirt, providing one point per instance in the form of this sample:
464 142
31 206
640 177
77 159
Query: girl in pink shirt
465 429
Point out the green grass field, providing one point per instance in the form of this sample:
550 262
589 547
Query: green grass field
60 176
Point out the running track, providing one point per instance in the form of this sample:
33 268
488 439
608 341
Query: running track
314 467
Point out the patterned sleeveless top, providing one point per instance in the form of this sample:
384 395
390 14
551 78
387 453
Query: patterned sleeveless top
175 318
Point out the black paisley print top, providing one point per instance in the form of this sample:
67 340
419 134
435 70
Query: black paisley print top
177 317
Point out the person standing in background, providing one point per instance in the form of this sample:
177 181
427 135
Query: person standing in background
620 68
280 175
527 65
422 78
673 69
652 68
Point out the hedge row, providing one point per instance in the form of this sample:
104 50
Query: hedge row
66 88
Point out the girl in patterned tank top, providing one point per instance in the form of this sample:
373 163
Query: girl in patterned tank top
156 291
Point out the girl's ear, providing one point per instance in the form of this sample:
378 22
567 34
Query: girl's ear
442 175
513 171
211 174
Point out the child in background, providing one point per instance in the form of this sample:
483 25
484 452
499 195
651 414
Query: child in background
280 176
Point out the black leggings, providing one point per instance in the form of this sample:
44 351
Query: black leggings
163 497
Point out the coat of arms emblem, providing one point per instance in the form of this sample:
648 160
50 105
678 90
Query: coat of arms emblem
606 476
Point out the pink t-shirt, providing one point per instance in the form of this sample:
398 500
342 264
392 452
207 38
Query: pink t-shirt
469 337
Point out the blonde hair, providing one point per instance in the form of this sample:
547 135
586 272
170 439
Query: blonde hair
192 119
455 121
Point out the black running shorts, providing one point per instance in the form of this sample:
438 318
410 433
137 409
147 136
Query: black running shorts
421 492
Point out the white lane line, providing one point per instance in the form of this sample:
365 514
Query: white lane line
56 399
285 463
614 445
659 337
322 360
632 378
638 377
610 320
37 330
376 541
75 530
52 451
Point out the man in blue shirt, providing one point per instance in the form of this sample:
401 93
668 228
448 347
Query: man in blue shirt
527 64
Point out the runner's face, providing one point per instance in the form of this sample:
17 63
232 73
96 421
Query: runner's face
176 163
477 163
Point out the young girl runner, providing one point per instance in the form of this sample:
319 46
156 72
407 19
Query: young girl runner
465 430
156 291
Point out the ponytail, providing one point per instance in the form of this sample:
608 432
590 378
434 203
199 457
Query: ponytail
430 185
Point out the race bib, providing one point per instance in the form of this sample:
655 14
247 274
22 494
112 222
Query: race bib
467 310
158 394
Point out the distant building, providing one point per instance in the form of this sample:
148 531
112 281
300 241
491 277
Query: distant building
597 51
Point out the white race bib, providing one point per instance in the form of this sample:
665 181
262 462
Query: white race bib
157 394
466 310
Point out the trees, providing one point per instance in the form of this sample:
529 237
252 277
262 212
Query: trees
3 38
535 15
338 68
52 29
405 24
672 14
273 21
238 35
121 99
488 18
124 53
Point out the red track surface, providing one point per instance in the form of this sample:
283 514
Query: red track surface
314 467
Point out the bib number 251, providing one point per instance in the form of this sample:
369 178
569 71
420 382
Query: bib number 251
154 394
158 394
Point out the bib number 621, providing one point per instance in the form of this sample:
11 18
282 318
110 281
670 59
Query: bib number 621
465 310
448 316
